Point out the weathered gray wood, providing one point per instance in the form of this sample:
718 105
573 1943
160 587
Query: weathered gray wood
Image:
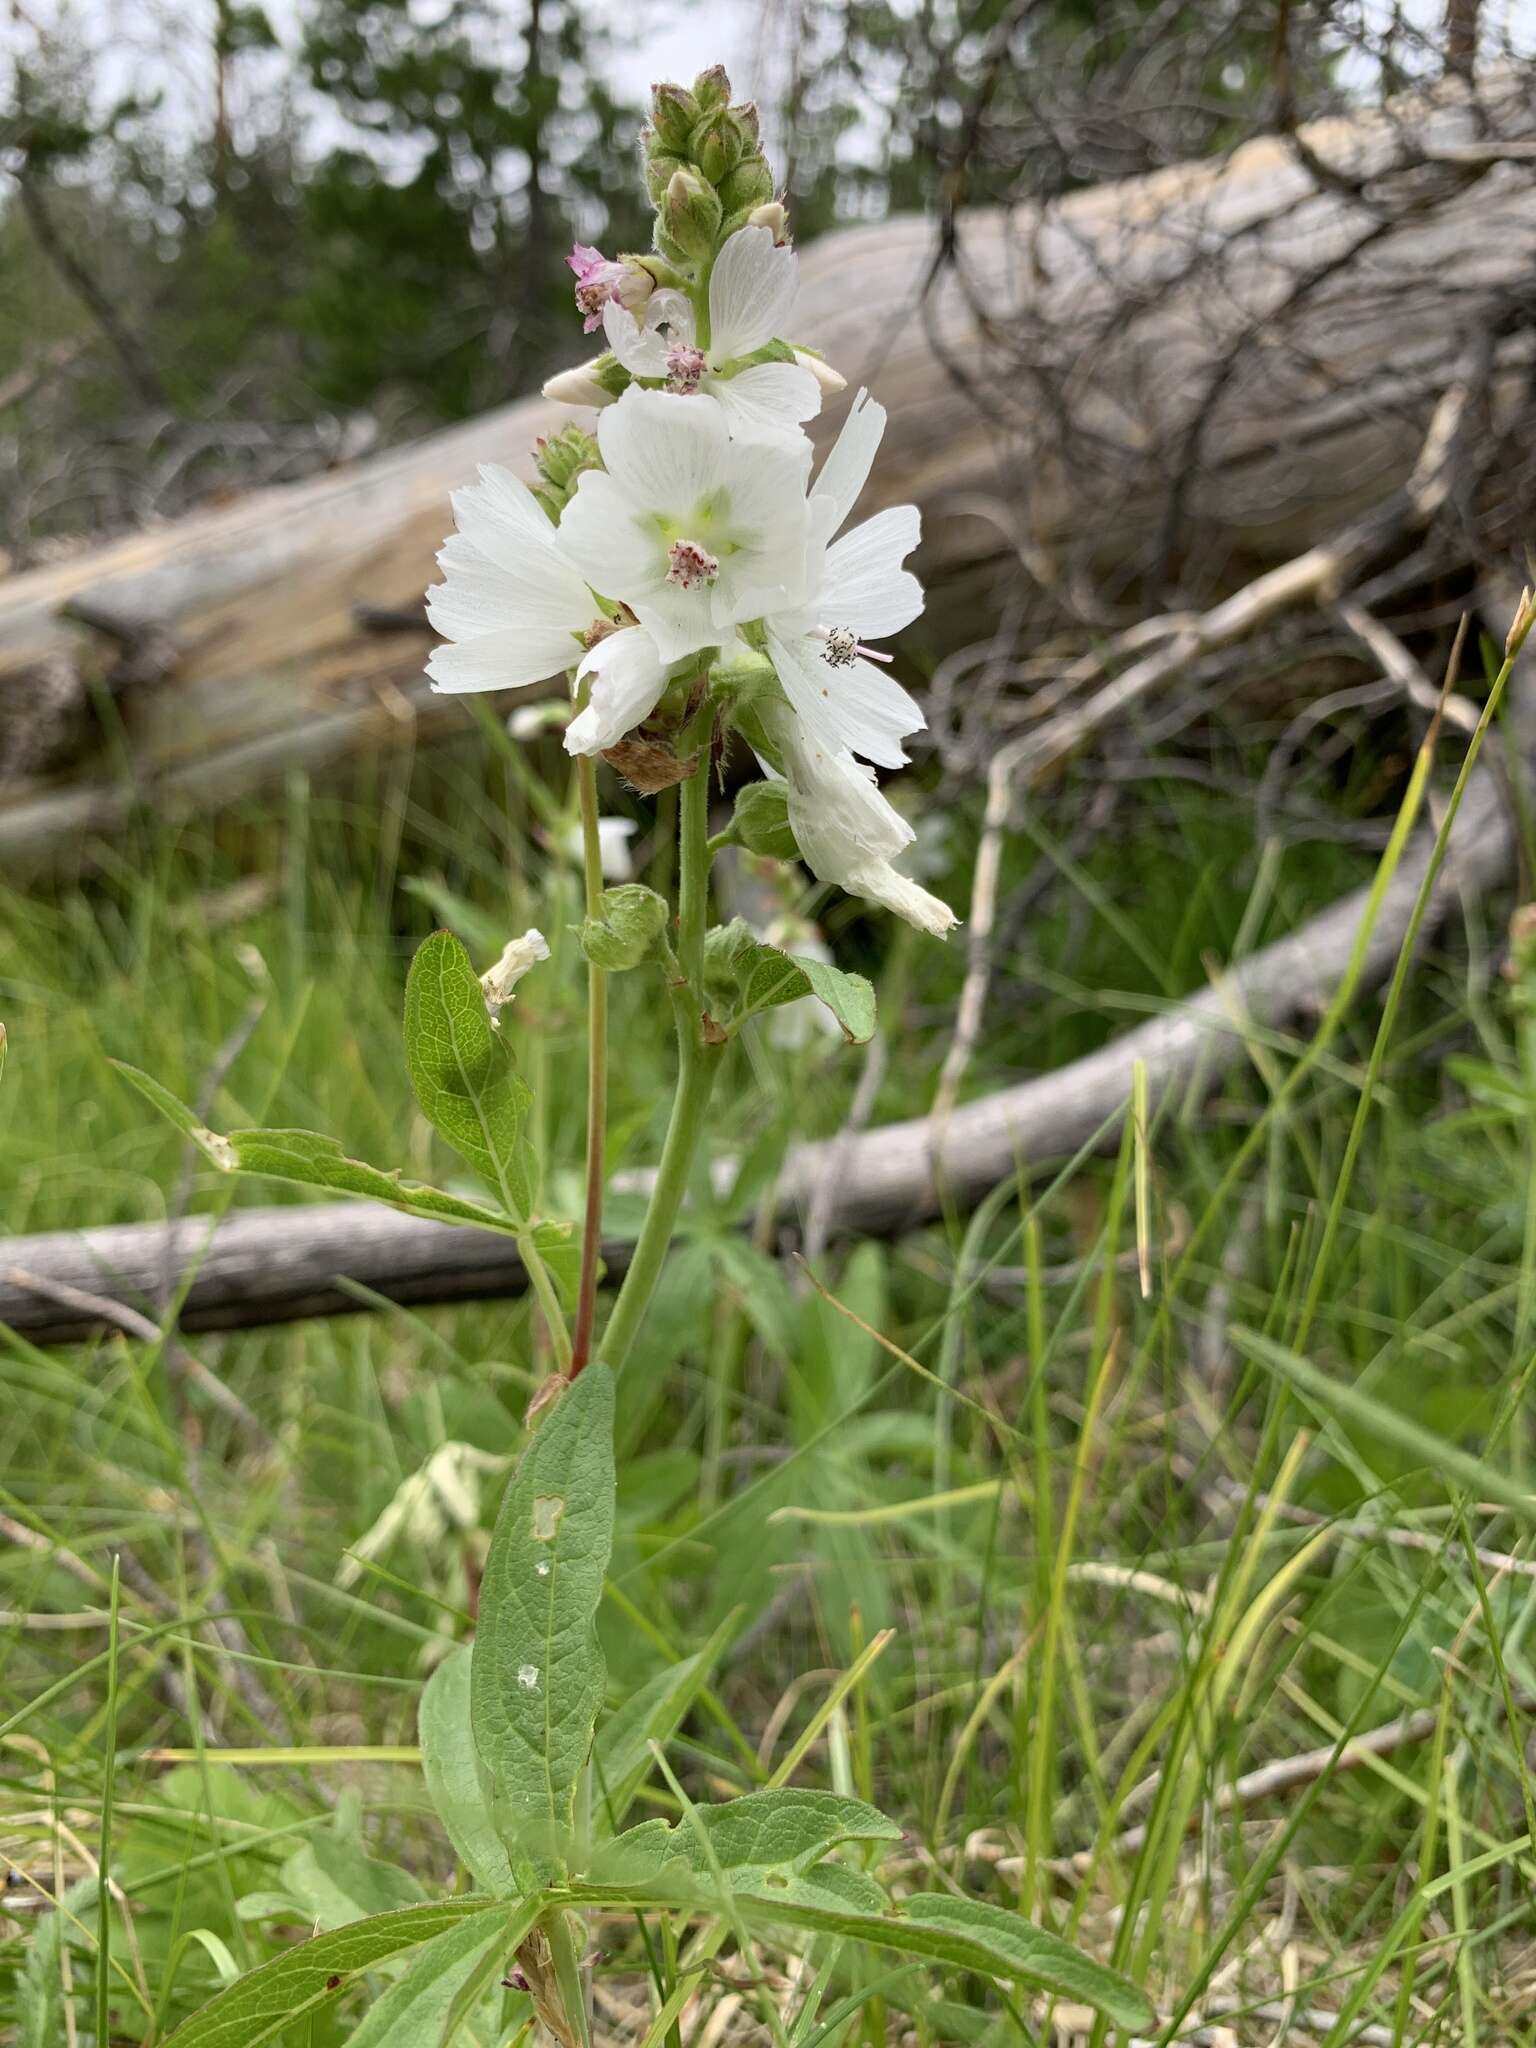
1241 321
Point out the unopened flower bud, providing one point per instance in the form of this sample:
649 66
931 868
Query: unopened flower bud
717 145
749 185
674 112
712 88
773 214
692 213
580 386
660 170
750 123
1524 619
518 955
827 379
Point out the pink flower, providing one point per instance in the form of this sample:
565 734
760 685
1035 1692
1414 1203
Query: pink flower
598 280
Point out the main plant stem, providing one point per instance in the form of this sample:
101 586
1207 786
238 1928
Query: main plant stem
698 1060
597 1075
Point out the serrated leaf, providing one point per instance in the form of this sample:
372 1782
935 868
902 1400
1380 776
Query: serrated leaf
268 2000
745 977
538 1670
416 2010
450 1763
336 1883
308 1159
463 1074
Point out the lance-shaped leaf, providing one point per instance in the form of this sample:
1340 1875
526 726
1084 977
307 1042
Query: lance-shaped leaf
307 1159
462 1072
743 977
538 1672
267 2002
451 1765
454 1970
959 1933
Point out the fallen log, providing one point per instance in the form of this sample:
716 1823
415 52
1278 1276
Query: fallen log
1166 385
275 1265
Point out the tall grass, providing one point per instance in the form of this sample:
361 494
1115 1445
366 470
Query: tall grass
1150 1561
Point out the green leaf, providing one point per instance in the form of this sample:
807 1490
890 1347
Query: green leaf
631 918
966 1934
463 1075
307 1159
959 1933
267 2001
743 977
560 1248
335 1882
416 2010
785 1826
538 1670
451 1765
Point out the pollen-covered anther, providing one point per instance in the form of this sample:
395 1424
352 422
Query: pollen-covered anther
689 565
685 368
844 646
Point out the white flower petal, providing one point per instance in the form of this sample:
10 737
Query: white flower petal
627 677
504 522
636 343
858 707
608 537
847 832
680 622
863 584
846 470
770 398
751 294
663 451
501 661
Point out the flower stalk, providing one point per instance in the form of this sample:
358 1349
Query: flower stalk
698 1059
597 1074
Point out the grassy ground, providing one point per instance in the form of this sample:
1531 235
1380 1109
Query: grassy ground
1133 1551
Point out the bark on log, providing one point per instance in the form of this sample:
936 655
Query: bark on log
275 1265
1203 367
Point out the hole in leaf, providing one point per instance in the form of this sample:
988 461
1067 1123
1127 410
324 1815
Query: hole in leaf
547 1510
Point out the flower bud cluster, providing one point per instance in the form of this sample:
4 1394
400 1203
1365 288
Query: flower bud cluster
705 169
561 459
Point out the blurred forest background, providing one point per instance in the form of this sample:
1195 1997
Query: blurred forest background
239 242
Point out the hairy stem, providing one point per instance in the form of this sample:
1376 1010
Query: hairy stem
698 1061
597 1076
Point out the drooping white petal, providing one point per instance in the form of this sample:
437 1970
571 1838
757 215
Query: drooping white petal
627 676
610 539
849 460
501 661
662 450
578 386
769 398
848 834
857 706
636 342
863 584
502 520
751 294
